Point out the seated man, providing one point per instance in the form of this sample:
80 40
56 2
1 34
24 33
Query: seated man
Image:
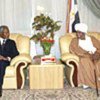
87 48
8 51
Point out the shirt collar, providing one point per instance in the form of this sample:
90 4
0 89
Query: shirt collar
1 40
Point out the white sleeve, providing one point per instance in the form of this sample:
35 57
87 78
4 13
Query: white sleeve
9 59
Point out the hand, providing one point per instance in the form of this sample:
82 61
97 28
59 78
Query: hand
3 58
96 56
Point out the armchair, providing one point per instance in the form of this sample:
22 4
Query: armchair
71 60
14 75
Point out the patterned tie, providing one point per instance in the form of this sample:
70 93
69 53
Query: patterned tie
4 41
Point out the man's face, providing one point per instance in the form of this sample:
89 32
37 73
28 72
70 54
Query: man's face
80 35
5 34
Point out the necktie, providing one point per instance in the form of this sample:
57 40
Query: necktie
3 44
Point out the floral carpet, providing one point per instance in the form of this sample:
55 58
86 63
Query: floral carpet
67 93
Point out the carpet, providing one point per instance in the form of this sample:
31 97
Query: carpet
67 93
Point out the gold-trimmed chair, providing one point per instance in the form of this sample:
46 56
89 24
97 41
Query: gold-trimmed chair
71 60
14 76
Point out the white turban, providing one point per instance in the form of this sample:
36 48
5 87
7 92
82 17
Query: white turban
81 27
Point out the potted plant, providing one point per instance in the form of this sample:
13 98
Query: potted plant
45 28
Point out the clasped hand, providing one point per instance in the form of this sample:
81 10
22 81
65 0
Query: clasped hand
95 56
3 58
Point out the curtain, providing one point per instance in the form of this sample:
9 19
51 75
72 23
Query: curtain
94 6
16 14
88 17
57 11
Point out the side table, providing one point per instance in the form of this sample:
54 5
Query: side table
49 76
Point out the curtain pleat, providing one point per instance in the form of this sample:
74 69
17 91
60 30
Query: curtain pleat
16 14
94 6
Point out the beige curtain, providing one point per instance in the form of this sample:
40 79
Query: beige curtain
94 6
16 14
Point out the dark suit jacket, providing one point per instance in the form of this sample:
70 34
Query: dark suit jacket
9 49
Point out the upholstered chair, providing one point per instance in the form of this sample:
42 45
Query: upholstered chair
14 76
71 61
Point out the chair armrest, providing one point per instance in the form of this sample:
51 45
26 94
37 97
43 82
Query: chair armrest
20 62
72 62
19 67
21 58
10 71
67 57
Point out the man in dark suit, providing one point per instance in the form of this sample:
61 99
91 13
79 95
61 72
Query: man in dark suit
8 51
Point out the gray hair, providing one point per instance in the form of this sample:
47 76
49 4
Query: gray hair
3 27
